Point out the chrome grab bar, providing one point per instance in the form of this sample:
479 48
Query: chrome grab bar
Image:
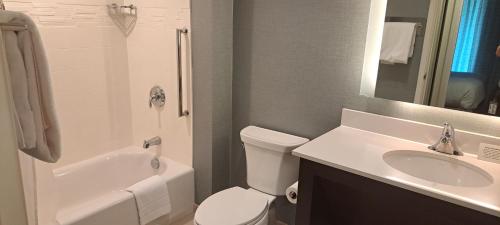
182 112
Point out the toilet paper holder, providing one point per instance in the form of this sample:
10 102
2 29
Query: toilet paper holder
292 193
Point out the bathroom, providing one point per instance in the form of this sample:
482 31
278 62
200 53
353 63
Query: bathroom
307 69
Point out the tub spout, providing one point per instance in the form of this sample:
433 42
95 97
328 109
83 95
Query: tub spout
152 142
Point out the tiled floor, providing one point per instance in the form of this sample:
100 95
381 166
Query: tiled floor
189 221
186 221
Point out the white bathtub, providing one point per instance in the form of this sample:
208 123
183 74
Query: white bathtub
91 192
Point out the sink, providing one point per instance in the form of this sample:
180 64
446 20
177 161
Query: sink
438 168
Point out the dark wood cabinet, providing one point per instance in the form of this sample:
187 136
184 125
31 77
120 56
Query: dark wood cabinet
329 196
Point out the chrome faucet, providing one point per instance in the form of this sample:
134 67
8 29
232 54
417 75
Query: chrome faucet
446 143
152 142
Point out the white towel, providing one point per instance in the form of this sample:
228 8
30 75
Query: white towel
398 43
152 199
37 127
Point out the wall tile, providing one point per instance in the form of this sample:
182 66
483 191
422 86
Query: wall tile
101 78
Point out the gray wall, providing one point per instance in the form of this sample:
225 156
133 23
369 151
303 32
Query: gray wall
295 63
298 63
408 8
212 40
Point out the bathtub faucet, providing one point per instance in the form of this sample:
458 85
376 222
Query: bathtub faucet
152 142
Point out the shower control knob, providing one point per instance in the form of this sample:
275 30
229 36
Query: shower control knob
157 97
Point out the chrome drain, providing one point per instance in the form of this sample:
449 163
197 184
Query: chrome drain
155 163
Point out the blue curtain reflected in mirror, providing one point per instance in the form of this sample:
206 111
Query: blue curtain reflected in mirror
469 36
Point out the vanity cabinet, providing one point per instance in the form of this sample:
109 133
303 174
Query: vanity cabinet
329 196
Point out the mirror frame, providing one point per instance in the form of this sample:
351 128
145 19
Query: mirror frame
447 50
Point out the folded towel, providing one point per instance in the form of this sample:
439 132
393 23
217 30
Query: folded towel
152 199
37 127
398 43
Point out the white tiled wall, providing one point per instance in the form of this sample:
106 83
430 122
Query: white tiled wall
89 66
101 78
153 61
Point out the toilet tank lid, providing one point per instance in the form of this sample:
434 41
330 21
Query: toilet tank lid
271 139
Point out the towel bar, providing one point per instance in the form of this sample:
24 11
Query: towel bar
13 27
421 22
182 112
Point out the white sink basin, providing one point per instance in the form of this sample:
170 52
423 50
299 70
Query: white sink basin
438 168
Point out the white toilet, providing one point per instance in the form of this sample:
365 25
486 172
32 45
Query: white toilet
271 168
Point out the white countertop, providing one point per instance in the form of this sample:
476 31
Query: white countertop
361 152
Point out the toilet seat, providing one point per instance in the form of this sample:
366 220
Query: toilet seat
233 206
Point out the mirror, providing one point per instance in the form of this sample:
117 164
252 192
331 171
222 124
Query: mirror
443 53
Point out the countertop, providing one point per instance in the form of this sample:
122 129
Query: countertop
361 152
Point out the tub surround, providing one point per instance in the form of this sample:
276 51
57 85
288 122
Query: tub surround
151 52
88 62
102 79
101 82
359 144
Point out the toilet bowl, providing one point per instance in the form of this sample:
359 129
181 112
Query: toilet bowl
271 168
235 206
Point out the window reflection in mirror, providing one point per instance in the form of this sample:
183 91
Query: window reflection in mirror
439 53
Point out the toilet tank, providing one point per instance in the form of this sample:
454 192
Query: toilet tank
271 167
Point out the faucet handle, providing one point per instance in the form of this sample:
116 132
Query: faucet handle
146 144
446 143
157 97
